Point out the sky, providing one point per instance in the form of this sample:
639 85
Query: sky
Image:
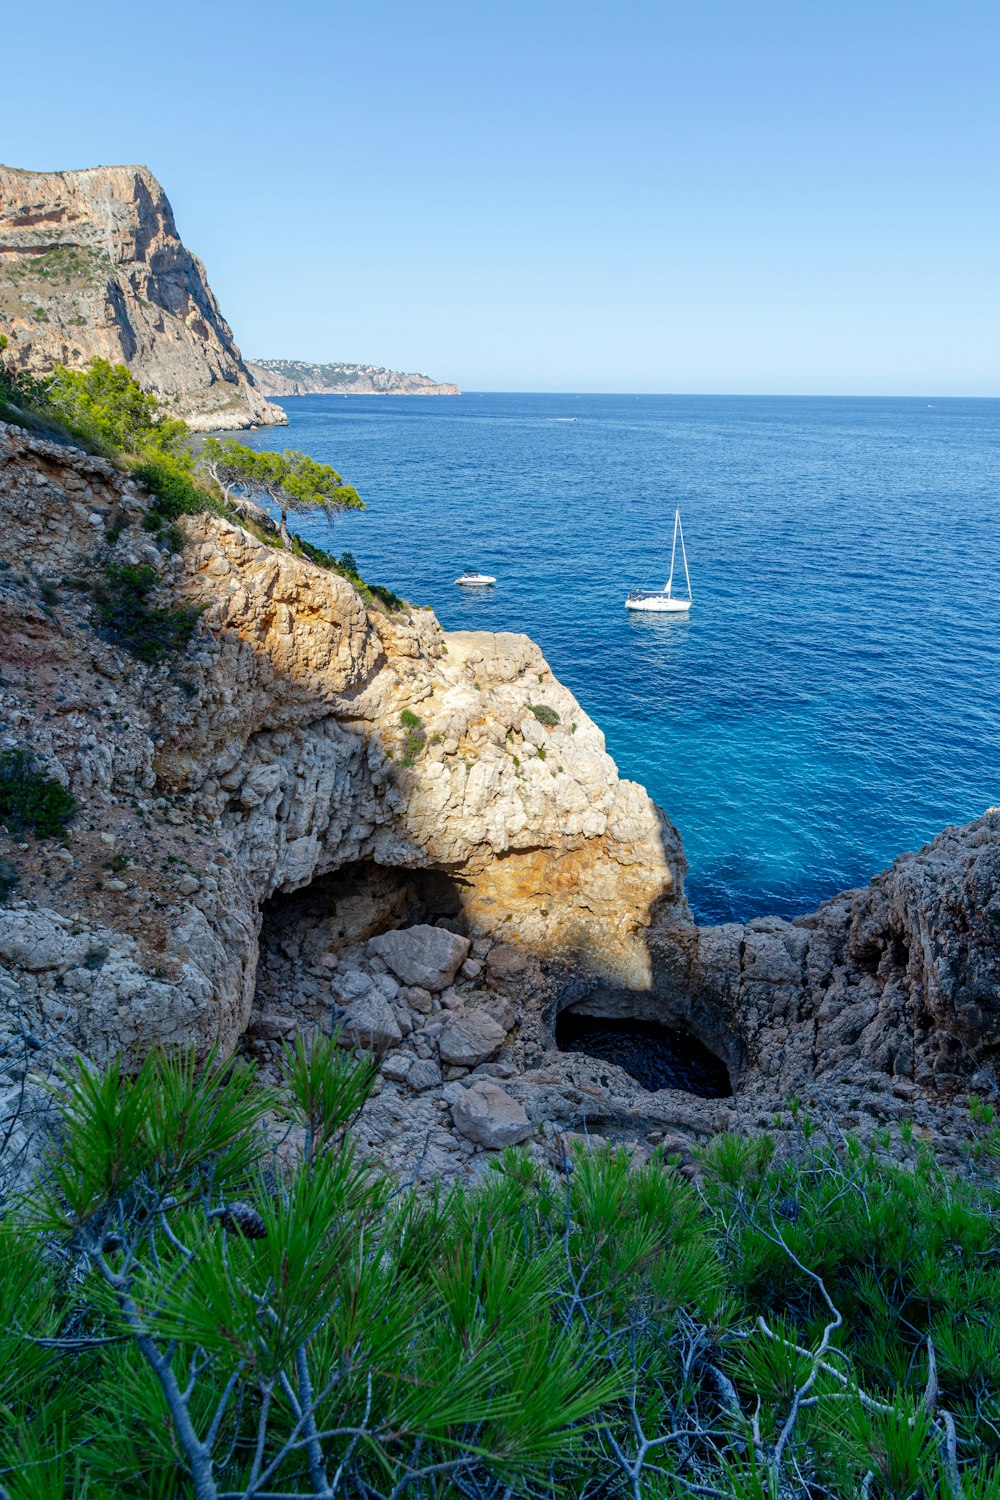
773 196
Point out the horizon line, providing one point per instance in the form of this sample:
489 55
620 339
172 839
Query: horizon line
674 395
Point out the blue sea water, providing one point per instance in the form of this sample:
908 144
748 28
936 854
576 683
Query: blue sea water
831 701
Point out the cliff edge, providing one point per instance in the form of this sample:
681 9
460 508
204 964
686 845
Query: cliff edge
91 264
299 734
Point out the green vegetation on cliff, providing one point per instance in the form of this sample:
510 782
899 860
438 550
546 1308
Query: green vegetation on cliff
105 410
289 480
30 800
184 1313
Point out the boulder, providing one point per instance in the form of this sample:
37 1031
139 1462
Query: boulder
423 1074
506 962
470 1037
428 957
490 1117
369 1022
417 999
350 984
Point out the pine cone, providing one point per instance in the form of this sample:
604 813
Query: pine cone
243 1218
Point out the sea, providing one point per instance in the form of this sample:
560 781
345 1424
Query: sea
833 698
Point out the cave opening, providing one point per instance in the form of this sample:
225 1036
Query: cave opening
655 1055
314 936
338 911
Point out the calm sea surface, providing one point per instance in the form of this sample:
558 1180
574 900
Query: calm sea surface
831 701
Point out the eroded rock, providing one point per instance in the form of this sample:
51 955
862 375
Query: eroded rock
484 1113
428 957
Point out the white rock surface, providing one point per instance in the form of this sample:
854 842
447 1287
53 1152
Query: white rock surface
428 957
484 1113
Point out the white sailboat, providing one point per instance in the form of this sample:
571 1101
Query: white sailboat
662 601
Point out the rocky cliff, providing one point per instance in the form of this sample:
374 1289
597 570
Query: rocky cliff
91 264
294 377
321 814
271 755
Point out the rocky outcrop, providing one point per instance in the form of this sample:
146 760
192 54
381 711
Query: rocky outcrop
894 988
271 755
91 264
320 815
294 377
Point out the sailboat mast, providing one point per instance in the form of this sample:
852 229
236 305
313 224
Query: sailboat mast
687 575
673 551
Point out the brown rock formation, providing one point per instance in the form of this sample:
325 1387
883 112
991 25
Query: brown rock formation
894 988
91 264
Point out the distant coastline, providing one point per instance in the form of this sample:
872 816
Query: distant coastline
282 378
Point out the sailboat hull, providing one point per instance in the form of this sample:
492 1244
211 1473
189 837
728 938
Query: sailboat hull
660 604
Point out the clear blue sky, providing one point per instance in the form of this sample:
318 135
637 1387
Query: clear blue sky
648 195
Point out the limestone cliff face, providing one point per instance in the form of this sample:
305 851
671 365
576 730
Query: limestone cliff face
91 264
272 754
296 377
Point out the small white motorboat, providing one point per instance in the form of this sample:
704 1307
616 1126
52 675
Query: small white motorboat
471 578
662 601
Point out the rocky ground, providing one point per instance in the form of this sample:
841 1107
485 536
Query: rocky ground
467 1063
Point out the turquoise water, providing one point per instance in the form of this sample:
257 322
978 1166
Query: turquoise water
831 701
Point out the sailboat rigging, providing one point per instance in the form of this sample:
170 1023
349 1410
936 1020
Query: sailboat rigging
662 600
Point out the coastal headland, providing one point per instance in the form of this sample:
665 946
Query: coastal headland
296 377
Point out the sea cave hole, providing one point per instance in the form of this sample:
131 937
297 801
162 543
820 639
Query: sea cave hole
657 1054
324 924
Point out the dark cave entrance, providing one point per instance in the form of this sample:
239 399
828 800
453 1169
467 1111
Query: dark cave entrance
655 1055
341 910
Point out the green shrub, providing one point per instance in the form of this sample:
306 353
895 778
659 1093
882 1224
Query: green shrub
31 801
394 603
19 393
416 736
596 1327
544 714
9 878
125 614
105 405
173 490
